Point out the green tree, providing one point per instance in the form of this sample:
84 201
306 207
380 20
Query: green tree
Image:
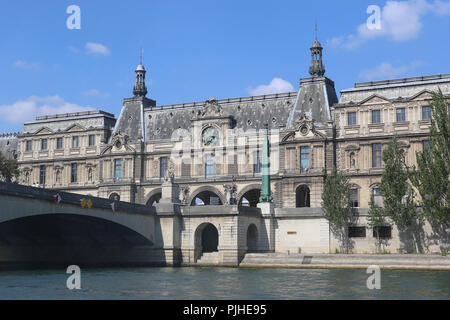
376 218
398 196
9 169
336 205
431 177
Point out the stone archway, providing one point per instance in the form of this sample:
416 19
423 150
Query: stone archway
154 199
206 240
207 196
252 239
114 196
249 196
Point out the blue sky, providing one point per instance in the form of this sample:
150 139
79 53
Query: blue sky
194 50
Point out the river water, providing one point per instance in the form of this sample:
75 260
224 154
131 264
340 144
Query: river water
225 283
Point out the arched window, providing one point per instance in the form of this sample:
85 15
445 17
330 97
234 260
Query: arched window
302 197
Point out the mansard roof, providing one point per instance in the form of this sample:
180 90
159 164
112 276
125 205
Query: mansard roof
63 122
246 113
394 90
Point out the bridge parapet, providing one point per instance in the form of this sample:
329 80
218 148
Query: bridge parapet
17 190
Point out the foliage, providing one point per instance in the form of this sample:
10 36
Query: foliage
431 177
397 193
9 169
336 205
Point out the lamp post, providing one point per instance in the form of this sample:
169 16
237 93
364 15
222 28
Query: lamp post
266 196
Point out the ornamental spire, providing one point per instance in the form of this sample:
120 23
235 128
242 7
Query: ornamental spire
140 90
317 69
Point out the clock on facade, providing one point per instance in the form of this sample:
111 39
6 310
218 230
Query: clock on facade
210 136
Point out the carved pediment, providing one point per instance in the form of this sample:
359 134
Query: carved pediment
211 109
75 128
118 140
422 95
44 130
304 124
374 99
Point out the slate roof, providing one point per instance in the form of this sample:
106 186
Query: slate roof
246 113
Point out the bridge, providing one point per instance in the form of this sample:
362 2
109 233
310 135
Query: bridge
41 227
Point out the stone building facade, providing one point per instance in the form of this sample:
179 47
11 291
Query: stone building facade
213 149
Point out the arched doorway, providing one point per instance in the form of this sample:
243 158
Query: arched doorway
114 197
206 198
250 198
206 239
252 239
302 197
154 199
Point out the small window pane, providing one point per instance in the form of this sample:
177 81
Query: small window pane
163 165
209 165
376 155
29 145
75 142
382 232
354 199
352 118
44 144
257 164
91 140
42 175
118 168
426 113
59 143
401 114
74 172
356 232
304 158
376 116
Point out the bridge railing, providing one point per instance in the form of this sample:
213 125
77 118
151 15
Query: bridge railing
17 190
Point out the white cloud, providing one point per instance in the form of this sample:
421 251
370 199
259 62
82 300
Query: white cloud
400 21
277 85
95 93
97 49
22 64
386 70
27 110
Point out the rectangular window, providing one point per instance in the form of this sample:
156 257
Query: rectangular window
376 155
29 145
209 165
376 116
91 140
304 158
376 191
356 232
382 232
118 168
354 199
401 114
44 144
426 113
257 164
163 165
351 121
59 143
75 142
42 174
74 172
